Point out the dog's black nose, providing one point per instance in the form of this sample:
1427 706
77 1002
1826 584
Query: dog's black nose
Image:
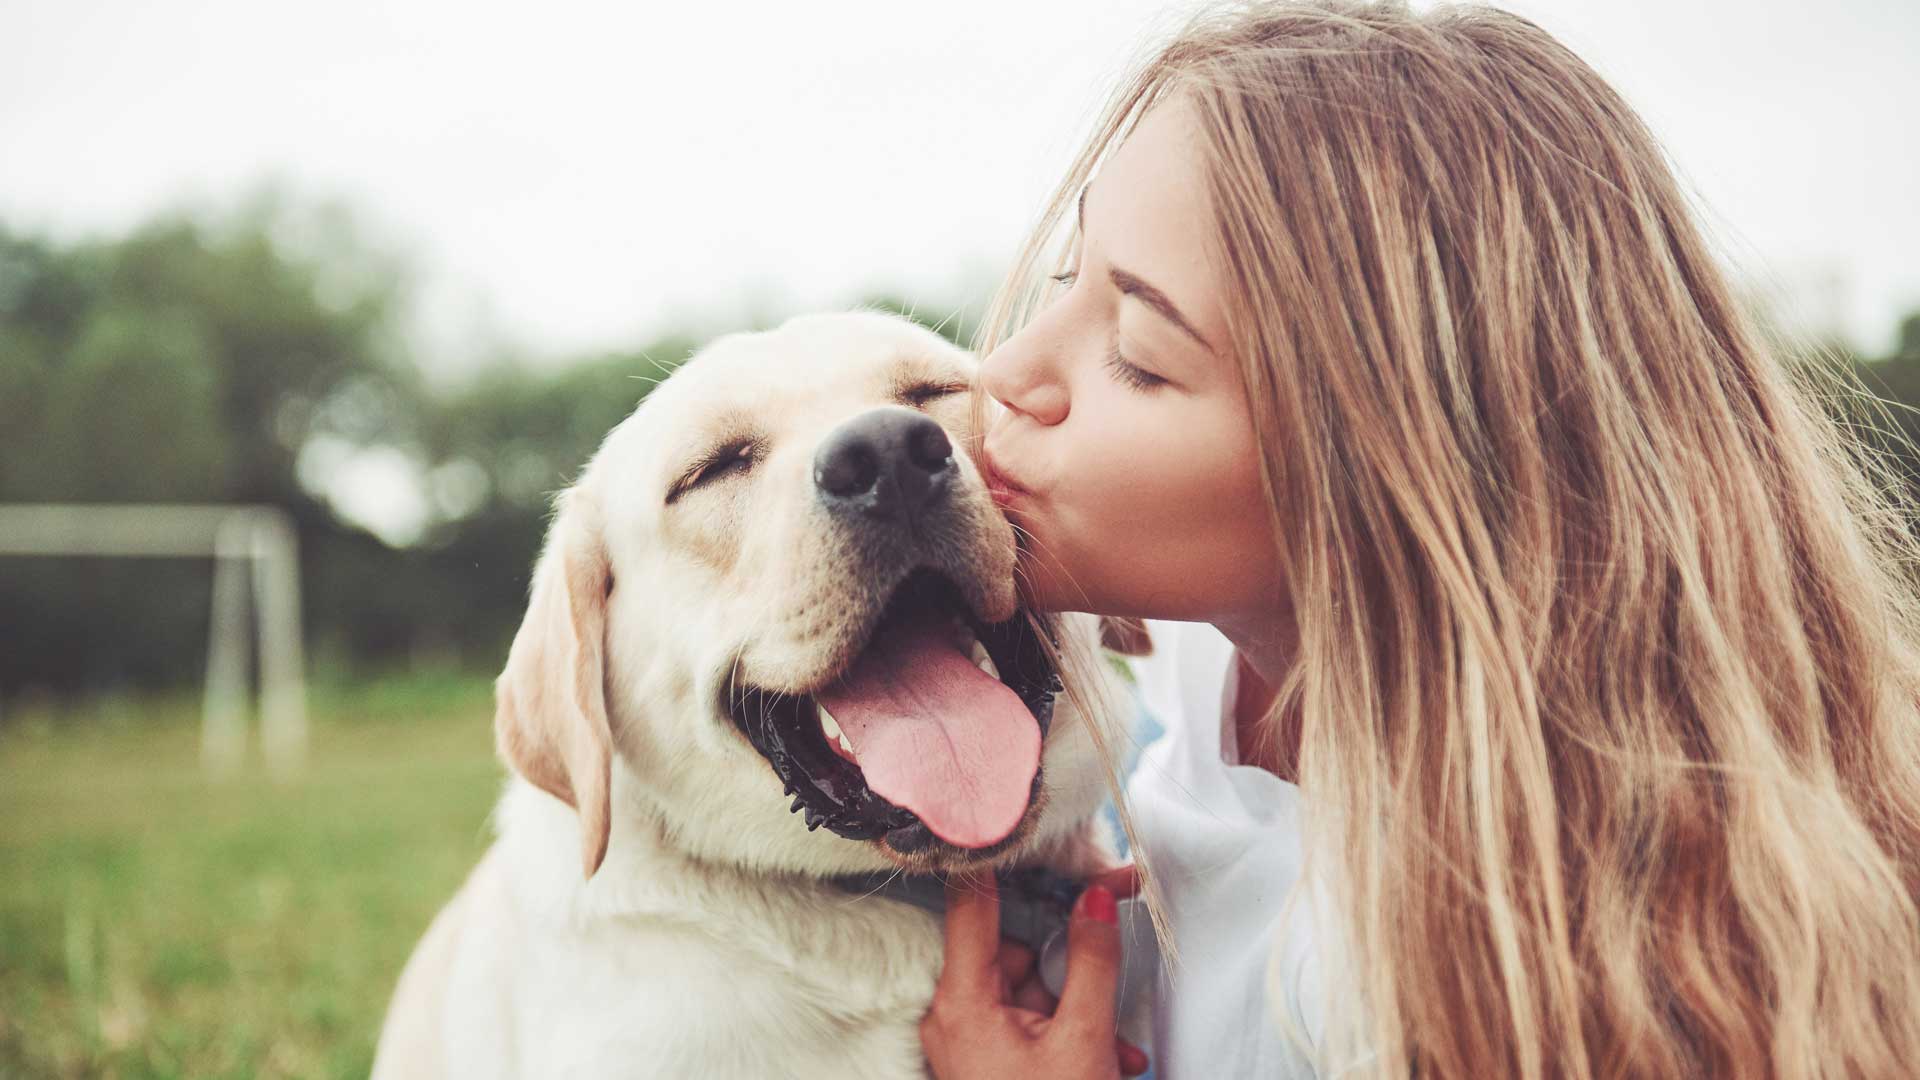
890 462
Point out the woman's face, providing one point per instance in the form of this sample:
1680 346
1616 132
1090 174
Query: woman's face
1125 450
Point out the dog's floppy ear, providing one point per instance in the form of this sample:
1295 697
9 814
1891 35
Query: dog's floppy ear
550 709
1128 637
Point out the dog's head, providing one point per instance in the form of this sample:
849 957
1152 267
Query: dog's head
781 597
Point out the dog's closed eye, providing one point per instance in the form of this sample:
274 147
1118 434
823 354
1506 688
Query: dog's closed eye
919 394
724 460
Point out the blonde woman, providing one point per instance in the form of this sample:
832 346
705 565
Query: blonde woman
1563 651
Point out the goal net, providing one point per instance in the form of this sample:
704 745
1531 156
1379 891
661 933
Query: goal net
251 546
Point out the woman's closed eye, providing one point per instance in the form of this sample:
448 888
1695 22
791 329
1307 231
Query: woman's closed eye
1129 374
1136 377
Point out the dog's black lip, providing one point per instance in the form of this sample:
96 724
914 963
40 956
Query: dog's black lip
785 729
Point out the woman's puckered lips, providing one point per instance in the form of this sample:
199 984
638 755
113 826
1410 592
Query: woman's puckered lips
1004 488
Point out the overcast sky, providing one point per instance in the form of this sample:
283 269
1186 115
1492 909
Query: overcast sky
571 176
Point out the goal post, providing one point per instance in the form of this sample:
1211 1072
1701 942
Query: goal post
248 544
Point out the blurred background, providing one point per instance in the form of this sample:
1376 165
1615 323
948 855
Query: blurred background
392 269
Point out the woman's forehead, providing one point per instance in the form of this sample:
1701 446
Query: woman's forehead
1149 215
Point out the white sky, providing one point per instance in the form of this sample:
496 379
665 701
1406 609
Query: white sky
570 176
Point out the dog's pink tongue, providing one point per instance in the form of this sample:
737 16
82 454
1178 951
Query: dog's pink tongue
935 734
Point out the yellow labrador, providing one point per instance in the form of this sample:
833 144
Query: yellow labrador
772 644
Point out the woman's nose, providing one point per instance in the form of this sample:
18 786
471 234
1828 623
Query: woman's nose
1020 379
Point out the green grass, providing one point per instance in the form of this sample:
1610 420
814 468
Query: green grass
155 922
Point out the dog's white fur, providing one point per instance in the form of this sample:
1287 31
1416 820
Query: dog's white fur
703 940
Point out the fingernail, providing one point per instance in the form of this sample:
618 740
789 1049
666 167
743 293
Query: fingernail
1098 903
1133 1059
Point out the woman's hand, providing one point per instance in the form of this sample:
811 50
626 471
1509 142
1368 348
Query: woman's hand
990 1017
1026 988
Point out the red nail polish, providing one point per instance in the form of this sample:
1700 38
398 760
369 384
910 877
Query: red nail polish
1099 905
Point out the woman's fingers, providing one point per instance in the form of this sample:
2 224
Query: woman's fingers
969 1027
972 968
1120 881
1093 965
1032 996
1016 962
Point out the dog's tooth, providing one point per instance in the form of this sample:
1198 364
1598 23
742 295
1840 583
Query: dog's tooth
845 745
827 724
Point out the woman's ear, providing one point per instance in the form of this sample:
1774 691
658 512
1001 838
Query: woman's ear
550 708
1128 637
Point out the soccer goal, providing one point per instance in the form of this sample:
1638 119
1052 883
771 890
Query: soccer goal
248 544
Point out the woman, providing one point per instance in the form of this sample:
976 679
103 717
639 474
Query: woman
1556 627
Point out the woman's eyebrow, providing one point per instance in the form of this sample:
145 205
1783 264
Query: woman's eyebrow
1131 284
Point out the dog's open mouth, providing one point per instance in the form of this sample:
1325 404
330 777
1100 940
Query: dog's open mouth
932 732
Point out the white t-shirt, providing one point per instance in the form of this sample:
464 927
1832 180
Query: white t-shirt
1225 841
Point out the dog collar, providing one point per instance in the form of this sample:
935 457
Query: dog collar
1035 903
1035 906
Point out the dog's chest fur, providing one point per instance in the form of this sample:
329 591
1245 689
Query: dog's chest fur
663 967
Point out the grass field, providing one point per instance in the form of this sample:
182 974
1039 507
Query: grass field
156 923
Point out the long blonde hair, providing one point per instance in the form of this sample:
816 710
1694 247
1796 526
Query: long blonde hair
1607 671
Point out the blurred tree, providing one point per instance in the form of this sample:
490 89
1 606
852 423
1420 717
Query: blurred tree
1889 419
188 361
135 412
529 431
196 359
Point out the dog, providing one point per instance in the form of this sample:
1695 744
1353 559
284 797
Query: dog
772 643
